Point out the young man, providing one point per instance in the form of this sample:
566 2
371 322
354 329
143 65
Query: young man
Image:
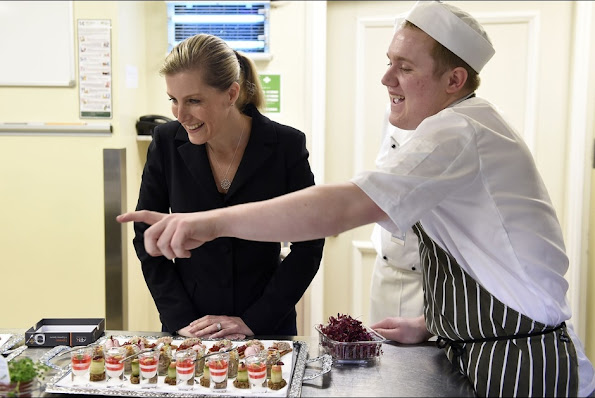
491 246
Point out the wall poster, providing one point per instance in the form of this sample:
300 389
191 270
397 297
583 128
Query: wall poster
271 85
95 64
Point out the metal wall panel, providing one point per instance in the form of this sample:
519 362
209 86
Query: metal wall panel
114 198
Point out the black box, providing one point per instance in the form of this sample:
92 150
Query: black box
64 331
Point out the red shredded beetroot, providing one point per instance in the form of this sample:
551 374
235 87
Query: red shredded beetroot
345 329
346 339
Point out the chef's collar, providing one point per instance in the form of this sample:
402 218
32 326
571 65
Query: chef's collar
471 95
400 136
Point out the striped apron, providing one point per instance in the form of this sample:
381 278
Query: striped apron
502 353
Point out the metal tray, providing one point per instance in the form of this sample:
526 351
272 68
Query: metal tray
299 361
10 340
14 340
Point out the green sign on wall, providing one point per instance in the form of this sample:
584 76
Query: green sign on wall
271 85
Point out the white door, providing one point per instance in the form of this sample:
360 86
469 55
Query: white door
528 79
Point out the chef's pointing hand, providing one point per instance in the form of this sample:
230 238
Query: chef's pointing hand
146 216
170 235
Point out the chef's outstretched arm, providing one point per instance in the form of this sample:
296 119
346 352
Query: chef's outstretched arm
311 213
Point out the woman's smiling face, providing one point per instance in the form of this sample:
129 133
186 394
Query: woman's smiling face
415 92
200 108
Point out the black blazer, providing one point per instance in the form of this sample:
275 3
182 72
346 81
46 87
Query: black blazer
227 276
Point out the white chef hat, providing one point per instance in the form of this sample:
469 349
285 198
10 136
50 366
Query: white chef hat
454 29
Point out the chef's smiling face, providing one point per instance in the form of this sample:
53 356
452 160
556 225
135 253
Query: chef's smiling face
415 91
202 109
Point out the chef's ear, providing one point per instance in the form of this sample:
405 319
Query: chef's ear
457 79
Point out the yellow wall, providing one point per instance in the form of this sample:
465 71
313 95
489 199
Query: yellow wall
51 186
51 190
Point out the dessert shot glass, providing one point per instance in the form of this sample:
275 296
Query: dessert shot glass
130 350
234 361
185 363
257 372
218 366
114 367
80 361
272 357
148 363
200 360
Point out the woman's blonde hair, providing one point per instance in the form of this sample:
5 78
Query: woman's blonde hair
219 65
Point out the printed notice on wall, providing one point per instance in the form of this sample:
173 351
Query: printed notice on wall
271 85
95 68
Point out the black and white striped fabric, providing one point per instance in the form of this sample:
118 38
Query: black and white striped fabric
508 364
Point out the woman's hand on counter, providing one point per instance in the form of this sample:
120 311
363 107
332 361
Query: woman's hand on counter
403 330
217 326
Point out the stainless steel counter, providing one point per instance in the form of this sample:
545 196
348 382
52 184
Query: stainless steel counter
403 371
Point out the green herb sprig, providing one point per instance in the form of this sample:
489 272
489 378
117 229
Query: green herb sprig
24 369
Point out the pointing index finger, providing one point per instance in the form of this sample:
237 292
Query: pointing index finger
146 216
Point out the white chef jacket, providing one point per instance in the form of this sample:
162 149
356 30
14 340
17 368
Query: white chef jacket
471 181
396 285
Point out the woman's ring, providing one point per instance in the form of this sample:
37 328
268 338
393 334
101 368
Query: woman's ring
218 326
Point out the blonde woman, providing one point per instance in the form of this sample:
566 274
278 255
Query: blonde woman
221 151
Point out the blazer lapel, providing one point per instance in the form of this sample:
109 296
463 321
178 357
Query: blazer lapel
197 162
261 145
